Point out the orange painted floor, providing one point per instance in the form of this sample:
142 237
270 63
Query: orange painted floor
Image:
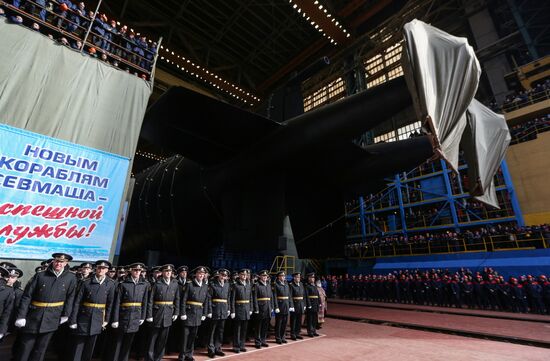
517 329
450 310
350 341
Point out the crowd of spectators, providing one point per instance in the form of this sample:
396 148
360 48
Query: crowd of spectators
518 99
490 237
529 130
485 290
68 23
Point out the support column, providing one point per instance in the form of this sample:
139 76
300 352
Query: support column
397 182
450 198
512 193
362 219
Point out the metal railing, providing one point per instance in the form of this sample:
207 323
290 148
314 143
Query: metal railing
529 132
531 99
507 242
81 33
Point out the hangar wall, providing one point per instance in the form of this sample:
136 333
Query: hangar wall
529 166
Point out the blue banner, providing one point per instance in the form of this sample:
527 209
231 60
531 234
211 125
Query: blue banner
56 196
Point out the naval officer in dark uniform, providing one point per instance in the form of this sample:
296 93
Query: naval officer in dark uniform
264 304
218 312
241 309
7 300
46 303
175 336
283 305
312 305
297 293
163 309
129 311
193 308
92 311
13 282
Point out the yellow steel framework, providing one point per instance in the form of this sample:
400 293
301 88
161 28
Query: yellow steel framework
283 263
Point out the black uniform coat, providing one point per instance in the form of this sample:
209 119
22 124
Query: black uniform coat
312 297
241 292
160 293
217 292
7 301
264 308
193 292
129 292
298 294
90 320
18 294
280 291
46 287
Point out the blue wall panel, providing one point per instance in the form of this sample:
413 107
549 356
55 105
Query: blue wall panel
507 263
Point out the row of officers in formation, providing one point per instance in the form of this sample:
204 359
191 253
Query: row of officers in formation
482 290
118 301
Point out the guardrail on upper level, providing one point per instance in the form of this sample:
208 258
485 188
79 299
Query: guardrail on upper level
529 100
89 33
523 241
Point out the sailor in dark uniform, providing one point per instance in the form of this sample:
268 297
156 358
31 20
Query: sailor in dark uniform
193 308
218 312
92 311
46 303
84 271
155 274
7 300
13 282
297 292
264 304
202 333
312 305
175 336
129 311
121 273
163 309
112 273
241 309
182 275
283 305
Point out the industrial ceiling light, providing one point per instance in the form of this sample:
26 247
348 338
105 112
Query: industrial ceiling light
208 77
323 21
